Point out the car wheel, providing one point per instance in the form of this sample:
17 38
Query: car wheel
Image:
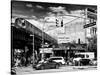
76 63
57 66
42 68
60 63
80 64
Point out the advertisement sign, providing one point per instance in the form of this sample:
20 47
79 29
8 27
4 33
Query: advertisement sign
60 30
63 39
46 50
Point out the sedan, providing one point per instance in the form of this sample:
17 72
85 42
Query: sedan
48 64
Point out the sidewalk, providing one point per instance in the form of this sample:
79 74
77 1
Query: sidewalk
83 67
30 70
20 70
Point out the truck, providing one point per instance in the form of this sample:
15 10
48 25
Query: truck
83 58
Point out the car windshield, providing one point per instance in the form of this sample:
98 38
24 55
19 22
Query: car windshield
56 58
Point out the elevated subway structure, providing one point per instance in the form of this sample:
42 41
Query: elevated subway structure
22 40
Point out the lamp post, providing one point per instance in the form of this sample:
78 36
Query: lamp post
43 41
33 45
43 36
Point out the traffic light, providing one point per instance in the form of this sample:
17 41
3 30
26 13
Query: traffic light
62 23
57 22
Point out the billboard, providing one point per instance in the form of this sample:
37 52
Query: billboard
63 39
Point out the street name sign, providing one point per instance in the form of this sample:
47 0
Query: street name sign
89 25
91 13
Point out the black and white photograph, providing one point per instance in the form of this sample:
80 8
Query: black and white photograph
52 37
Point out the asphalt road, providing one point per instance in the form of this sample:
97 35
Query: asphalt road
30 70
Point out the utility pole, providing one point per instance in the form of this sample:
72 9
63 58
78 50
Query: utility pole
42 42
33 45
85 22
43 39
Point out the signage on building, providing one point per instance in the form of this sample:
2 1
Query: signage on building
63 39
60 30
77 48
46 50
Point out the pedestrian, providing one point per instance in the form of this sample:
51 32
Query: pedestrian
17 62
23 60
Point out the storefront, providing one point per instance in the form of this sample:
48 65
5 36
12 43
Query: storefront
67 52
46 52
21 44
27 39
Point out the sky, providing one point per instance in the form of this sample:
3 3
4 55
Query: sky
43 16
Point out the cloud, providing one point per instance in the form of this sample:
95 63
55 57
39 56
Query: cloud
19 15
63 11
77 12
50 14
24 16
59 10
32 10
34 17
29 5
40 7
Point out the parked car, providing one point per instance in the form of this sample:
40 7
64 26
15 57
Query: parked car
58 59
47 64
85 61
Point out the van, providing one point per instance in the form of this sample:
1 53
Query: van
83 58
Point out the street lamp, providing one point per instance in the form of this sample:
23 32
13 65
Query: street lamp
33 47
43 36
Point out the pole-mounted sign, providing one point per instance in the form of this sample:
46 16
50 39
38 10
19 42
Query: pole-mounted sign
91 13
89 25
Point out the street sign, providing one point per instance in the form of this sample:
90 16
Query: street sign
89 25
91 13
